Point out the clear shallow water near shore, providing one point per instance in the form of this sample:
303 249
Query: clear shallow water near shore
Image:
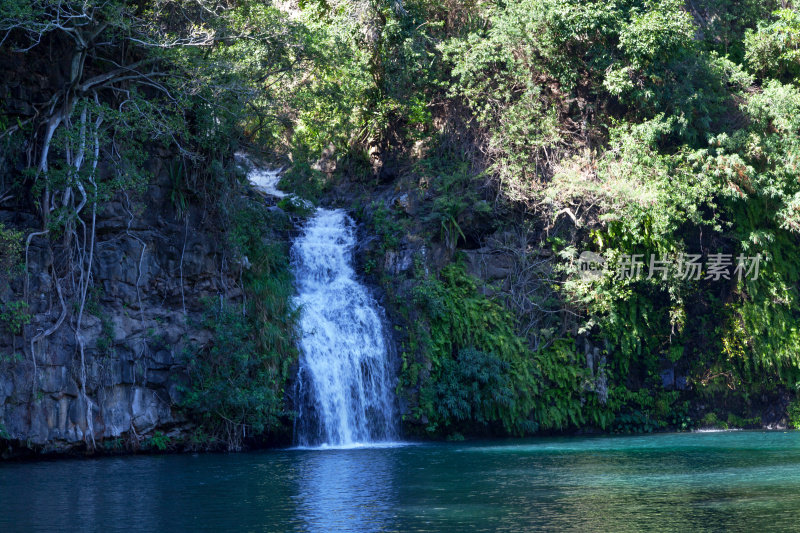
731 481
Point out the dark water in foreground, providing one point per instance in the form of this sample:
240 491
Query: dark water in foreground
738 481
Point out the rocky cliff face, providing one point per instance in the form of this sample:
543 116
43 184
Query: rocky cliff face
153 274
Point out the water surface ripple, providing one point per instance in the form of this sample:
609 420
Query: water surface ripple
737 481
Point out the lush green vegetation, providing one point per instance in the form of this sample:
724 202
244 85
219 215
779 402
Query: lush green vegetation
536 130
633 127
131 84
474 368
236 384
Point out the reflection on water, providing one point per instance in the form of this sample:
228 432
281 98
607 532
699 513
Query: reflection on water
740 481
344 487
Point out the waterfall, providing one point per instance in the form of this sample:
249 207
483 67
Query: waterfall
344 388
266 180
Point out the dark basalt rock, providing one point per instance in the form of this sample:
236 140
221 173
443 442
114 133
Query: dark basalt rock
134 332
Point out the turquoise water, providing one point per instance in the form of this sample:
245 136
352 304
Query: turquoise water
726 481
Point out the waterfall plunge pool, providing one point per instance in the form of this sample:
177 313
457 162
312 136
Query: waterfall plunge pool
724 481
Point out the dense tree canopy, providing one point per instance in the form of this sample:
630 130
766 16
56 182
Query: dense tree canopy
540 128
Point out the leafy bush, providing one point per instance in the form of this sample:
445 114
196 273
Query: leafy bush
773 49
158 441
237 382
460 336
10 250
712 420
233 387
14 316
475 386
794 414
736 421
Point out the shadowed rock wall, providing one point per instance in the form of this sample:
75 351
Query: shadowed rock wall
153 274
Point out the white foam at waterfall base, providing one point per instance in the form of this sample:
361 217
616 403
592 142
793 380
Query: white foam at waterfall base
359 445
344 386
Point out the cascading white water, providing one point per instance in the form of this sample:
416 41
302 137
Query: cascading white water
344 388
266 180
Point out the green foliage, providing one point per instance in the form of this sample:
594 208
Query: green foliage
520 76
14 316
496 71
385 227
237 382
794 414
503 383
114 444
736 421
565 400
158 441
658 34
572 397
724 24
200 440
628 127
10 250
296 205
757 180
259 235
474 386
375 67
195 78
470 367
773 49
304 181
456 200
233 385
711 420
654 126
646 200
647 409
